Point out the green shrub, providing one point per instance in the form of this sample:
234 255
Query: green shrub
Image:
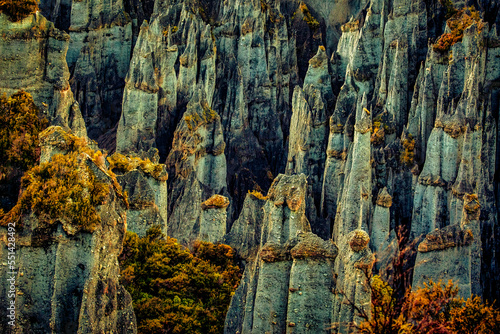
63 189
18 9
175 290
408 155
127 163
20 124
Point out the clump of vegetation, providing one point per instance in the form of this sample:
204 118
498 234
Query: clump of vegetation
472 205
263 6
257 194
408 155
194 119
434 308
352 25
172 29
128 163
216 201
175 290
20 124
359 240
63 189
378 133
457 23
17 10
308 17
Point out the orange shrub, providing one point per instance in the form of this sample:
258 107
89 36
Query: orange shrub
457 23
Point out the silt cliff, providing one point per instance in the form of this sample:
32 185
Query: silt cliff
318 139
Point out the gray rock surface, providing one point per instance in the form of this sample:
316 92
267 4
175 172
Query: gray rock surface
309 133
288 287
98 58
245 233
213 219
197 168
147 201
453 253
67 278
33 58
353 266
390 132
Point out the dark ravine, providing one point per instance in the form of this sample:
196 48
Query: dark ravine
342 116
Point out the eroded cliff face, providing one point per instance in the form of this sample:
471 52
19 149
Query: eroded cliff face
384 132
33 59
98 57
66 274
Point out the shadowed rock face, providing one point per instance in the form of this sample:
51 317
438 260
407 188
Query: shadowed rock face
98 57
66 277
34 59
377 133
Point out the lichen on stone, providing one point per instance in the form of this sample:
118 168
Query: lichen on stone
447 237
216 201
127 163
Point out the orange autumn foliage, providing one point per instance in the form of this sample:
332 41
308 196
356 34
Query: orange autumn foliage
457 23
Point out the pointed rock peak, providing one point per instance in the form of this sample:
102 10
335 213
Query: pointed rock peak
144 25
320 59
384 199
493 32
289 189
312 246
363 116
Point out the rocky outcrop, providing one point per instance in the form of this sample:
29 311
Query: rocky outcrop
67 275
174 55
280 287
453 253
34 59
394 128
354 206
309 133
98 58
197 169
147 201
213 219
245 233
352 270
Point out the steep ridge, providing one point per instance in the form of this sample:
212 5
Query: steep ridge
66 264
386 132
98 58
34 59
